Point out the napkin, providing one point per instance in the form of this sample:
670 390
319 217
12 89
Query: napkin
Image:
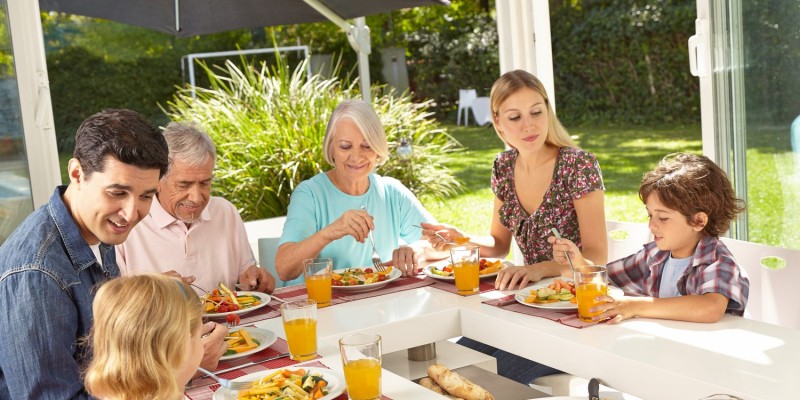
565 317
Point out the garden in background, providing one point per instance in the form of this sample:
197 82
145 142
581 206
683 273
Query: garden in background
622 89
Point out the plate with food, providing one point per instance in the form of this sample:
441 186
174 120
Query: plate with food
282 381
222 302
245 340
362 279
555 293
488 268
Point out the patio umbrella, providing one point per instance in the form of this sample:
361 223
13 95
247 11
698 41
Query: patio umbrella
185 18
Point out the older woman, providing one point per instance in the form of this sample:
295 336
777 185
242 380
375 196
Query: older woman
331 214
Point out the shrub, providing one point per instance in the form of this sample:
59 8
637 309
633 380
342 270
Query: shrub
269 123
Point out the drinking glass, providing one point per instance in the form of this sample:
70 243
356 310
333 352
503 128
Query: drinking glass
465 261
591 281
361 358
318 273
300 323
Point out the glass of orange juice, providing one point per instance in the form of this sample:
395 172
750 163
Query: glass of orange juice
318 274
465 261
300 323
591 281
361 358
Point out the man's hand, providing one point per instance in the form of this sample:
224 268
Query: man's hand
214 345
189 279
258 279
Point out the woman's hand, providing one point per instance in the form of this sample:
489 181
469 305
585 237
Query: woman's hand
355 223
434 233
515 278
563 246
405 259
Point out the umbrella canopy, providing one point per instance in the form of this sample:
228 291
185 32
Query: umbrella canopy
185 18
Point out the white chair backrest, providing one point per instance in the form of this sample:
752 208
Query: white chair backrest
774 275
626 238
466 97
263 235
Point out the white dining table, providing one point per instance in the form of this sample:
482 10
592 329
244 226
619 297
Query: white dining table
648 358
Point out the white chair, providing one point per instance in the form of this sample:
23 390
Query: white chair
465 99
626 238
774 273
263 235
481 111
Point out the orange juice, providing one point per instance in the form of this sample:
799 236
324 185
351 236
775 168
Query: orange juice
363 379
319 289
585 294
301 333
467 277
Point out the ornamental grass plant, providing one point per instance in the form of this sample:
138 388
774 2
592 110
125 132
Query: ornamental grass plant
268 123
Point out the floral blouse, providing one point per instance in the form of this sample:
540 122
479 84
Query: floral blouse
575 174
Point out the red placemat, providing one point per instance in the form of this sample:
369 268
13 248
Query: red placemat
565 317
450 286
299 292
398 285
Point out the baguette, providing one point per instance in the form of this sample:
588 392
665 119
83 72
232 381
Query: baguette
428 383
457 385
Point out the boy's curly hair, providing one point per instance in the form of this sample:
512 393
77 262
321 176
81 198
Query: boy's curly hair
689 184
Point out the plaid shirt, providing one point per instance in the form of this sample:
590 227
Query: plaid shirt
712 270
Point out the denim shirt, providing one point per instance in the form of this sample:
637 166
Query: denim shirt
48 279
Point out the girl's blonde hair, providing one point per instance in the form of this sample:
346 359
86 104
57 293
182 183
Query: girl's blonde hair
513 81
141 326
367 121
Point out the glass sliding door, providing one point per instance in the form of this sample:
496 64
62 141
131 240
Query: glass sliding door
754 121
28 158
15 188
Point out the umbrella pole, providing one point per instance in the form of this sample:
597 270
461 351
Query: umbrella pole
363 49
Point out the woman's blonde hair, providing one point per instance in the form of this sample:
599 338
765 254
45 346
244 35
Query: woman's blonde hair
141 326
511 82
363 115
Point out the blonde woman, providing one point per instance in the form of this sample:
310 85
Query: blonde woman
325 216
145 339
543 181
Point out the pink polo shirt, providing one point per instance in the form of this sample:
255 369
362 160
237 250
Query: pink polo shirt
214 250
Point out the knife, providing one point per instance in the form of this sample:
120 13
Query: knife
594 389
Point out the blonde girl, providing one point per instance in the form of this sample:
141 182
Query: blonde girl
145 339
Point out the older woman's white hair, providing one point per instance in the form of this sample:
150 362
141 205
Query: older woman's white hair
367 121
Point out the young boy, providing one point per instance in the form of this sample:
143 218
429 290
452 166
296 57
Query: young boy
686 273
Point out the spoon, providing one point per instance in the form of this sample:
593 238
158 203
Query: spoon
566 253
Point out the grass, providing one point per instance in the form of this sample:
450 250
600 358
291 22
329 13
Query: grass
625 154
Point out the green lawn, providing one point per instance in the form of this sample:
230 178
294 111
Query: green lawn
624 154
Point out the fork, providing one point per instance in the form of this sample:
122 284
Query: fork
445 241
226 383
376 259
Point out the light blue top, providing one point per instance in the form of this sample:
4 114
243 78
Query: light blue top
317 203
672 271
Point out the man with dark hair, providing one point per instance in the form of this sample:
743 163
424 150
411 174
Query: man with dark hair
53 263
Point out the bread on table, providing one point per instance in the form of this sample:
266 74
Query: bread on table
457 385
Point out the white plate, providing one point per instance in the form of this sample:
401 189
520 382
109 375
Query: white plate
265 299
265 339
520 296
443 263
369 286
336 385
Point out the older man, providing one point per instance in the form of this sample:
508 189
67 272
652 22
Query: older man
188 232
52 264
